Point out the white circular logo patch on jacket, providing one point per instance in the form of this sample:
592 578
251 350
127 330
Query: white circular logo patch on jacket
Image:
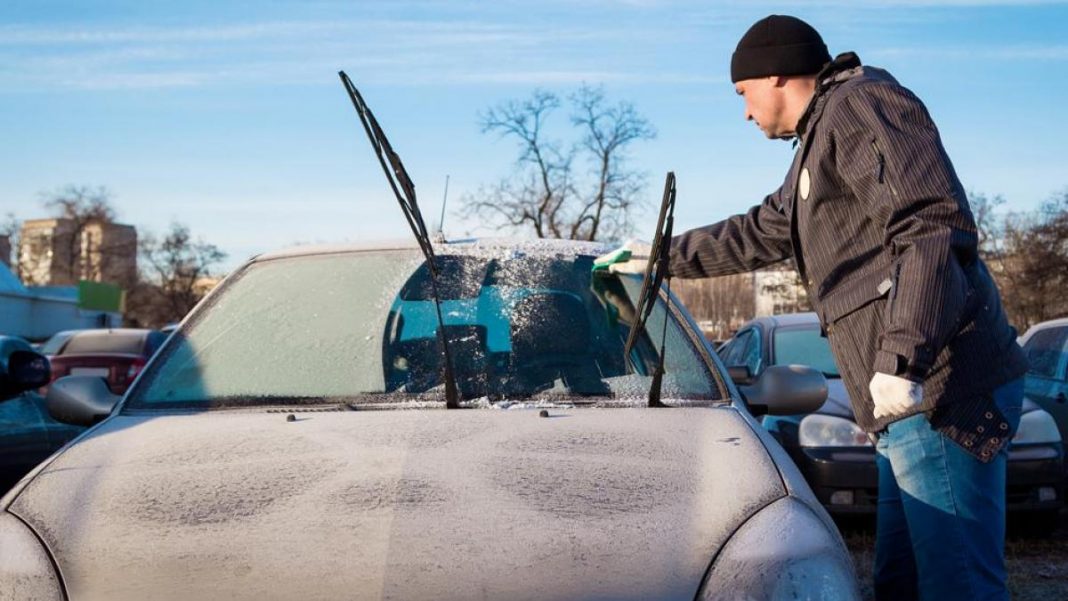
804 184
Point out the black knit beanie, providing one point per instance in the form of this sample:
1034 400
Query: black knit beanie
779 45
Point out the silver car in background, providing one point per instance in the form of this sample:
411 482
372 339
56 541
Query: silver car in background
290 441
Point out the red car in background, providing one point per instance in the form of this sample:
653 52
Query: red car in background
117 355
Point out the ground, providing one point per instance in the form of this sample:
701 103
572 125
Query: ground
1037 561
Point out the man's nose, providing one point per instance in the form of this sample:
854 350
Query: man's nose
748 115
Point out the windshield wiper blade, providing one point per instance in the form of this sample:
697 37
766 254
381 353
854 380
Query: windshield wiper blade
655 273
404 190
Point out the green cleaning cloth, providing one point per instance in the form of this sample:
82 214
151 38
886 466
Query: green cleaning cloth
602 262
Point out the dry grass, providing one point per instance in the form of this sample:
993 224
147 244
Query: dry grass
1037 562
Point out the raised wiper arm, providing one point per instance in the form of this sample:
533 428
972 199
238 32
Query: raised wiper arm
404 190
655 272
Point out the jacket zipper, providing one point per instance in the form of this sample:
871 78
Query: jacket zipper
881 175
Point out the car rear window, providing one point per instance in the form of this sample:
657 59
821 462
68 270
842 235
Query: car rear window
106 342
52 346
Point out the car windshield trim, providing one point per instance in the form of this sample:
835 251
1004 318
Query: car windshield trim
418 401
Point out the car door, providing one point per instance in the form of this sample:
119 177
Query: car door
23 437
1046 382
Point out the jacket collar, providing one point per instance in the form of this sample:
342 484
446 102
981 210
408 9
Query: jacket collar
844 66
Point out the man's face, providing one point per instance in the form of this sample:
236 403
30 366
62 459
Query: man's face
765 105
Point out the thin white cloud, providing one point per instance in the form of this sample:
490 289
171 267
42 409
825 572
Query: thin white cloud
299 52
1005 53
440 33
902 3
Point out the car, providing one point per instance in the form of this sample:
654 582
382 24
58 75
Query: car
28 434
292 439
115 354
1046 383
838 458
49 348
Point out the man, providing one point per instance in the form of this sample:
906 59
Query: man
879 228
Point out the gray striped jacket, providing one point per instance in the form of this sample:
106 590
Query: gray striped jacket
879 227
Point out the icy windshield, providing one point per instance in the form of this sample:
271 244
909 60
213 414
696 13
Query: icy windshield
361 327
804 346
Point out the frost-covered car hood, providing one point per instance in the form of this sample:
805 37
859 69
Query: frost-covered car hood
468 504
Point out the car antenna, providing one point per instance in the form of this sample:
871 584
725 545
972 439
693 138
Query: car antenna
404 190
444 201
656 271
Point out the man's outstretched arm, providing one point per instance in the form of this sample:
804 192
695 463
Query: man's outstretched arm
740 243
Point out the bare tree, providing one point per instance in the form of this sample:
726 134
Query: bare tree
176 269
545 193
720 305
9 229
988 224
1034 263
1027 253
608 132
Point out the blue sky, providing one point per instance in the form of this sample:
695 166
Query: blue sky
228 116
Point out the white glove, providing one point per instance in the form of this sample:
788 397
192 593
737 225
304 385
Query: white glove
894 395
632 257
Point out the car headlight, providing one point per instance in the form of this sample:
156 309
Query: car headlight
829 431
783 552
1037 427
26 570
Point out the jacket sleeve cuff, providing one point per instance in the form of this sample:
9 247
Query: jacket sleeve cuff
910 365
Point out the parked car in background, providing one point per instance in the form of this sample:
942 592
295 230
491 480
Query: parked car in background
28 434
1046 346
49 348
838 458
291 441
117 355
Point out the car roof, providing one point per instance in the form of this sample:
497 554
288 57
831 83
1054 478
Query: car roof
1053 323
471 246
113 332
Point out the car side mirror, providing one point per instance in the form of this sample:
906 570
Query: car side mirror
21 368
787 390
740 375
80 400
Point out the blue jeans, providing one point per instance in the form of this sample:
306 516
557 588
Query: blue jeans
941 514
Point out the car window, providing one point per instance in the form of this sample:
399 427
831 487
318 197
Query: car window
735 352
362 327
107 341
803 346
53 344
751 353
1044 351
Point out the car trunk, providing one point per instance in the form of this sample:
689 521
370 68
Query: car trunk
119 369
406 504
